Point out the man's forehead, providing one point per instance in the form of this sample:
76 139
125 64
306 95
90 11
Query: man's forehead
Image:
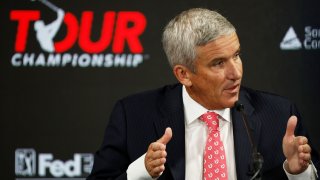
224 43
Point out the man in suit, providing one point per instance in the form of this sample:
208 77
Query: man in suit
161 134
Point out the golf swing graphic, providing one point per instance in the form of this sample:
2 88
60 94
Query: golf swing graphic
46 33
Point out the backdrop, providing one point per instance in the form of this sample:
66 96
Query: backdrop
65 63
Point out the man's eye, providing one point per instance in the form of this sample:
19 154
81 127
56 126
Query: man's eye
218 63
237 55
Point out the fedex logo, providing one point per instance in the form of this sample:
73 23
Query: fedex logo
25 164
117 30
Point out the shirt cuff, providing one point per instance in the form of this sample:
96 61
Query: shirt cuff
305 175
137 170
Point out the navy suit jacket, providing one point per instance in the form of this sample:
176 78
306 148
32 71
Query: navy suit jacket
138 120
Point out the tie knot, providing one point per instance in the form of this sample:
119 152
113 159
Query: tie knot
211 119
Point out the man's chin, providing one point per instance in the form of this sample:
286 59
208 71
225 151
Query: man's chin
230 102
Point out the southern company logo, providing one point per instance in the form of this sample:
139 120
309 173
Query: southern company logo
117 30
290 41
26 165
310 42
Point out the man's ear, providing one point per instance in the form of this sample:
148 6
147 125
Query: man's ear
183 75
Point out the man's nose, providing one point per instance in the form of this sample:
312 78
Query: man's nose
234 70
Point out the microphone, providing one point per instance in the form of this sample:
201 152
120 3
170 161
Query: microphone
257 159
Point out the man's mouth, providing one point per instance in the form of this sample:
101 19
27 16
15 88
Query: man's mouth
232 89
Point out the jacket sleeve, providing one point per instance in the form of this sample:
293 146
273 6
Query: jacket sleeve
111 160
301 131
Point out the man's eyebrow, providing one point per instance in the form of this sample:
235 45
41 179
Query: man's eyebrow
222 58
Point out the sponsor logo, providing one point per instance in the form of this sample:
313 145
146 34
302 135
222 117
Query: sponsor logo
311 39
119 36
290 41
79 165
25 162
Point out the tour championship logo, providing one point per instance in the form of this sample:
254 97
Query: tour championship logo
30 164
311 39
118 30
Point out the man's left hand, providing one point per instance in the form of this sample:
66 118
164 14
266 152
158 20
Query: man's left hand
296 149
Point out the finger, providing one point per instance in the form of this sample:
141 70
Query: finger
292 122
158 154
157 170
157 162
156 146
304 148
305 156
166 136
302 140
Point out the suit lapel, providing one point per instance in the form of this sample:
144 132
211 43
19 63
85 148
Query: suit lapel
171 108
172 115
243 148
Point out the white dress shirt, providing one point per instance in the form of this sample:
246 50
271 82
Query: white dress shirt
196 133
195 140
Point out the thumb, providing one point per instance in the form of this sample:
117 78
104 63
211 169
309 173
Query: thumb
166 136
291 126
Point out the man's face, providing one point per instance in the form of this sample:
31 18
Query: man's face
216 81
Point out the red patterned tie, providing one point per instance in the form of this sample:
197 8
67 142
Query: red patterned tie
214 158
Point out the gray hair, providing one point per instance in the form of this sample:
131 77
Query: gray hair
191 28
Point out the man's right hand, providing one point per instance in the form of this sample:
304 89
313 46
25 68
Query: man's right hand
156 155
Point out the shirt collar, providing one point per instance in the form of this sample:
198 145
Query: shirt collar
193 110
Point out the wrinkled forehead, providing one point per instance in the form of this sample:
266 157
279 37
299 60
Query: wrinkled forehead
225 45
